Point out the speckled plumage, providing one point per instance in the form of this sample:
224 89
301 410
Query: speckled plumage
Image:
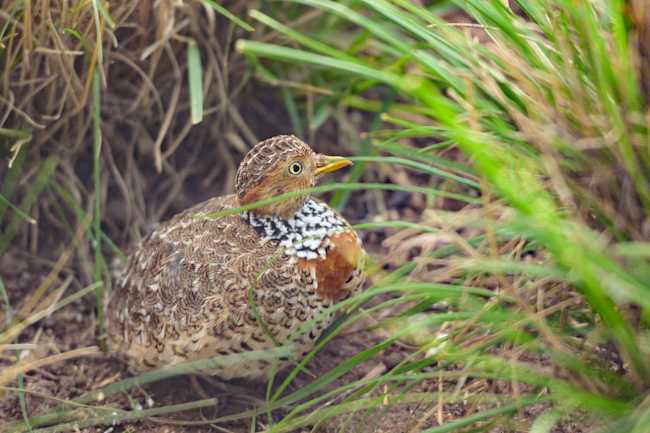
184 293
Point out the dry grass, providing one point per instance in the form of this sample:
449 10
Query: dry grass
50 52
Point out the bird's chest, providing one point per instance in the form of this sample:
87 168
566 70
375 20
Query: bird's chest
304 235
335 272
320 242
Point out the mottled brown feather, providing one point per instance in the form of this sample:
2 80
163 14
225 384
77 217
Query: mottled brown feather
184 293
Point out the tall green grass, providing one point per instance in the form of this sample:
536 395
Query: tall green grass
547 109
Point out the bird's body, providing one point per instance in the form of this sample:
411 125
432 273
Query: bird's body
198 287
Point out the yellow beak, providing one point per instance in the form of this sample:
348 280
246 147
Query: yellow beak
328 164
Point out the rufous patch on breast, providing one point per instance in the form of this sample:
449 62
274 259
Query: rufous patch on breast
333 271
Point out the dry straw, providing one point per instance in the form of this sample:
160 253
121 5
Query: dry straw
50 53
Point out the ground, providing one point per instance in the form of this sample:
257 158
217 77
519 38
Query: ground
73 327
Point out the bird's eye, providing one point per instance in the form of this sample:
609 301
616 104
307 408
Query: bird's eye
295 168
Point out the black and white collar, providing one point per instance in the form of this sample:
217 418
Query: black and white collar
302 235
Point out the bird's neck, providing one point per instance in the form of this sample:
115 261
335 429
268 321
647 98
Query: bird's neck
304 235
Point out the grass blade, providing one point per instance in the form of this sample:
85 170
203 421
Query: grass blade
45 171
195 79
226 13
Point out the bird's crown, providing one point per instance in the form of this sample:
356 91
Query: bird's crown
260 161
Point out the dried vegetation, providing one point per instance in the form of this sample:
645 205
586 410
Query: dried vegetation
476 313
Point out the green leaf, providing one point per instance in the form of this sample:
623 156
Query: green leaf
195 79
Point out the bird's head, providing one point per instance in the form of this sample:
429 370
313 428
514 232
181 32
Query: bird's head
278 165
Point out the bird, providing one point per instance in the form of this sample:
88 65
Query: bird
186 289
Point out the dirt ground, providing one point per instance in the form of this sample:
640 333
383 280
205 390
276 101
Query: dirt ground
73 327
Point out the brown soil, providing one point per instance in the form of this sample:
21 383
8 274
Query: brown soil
73 327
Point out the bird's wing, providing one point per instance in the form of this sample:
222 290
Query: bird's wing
192 282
